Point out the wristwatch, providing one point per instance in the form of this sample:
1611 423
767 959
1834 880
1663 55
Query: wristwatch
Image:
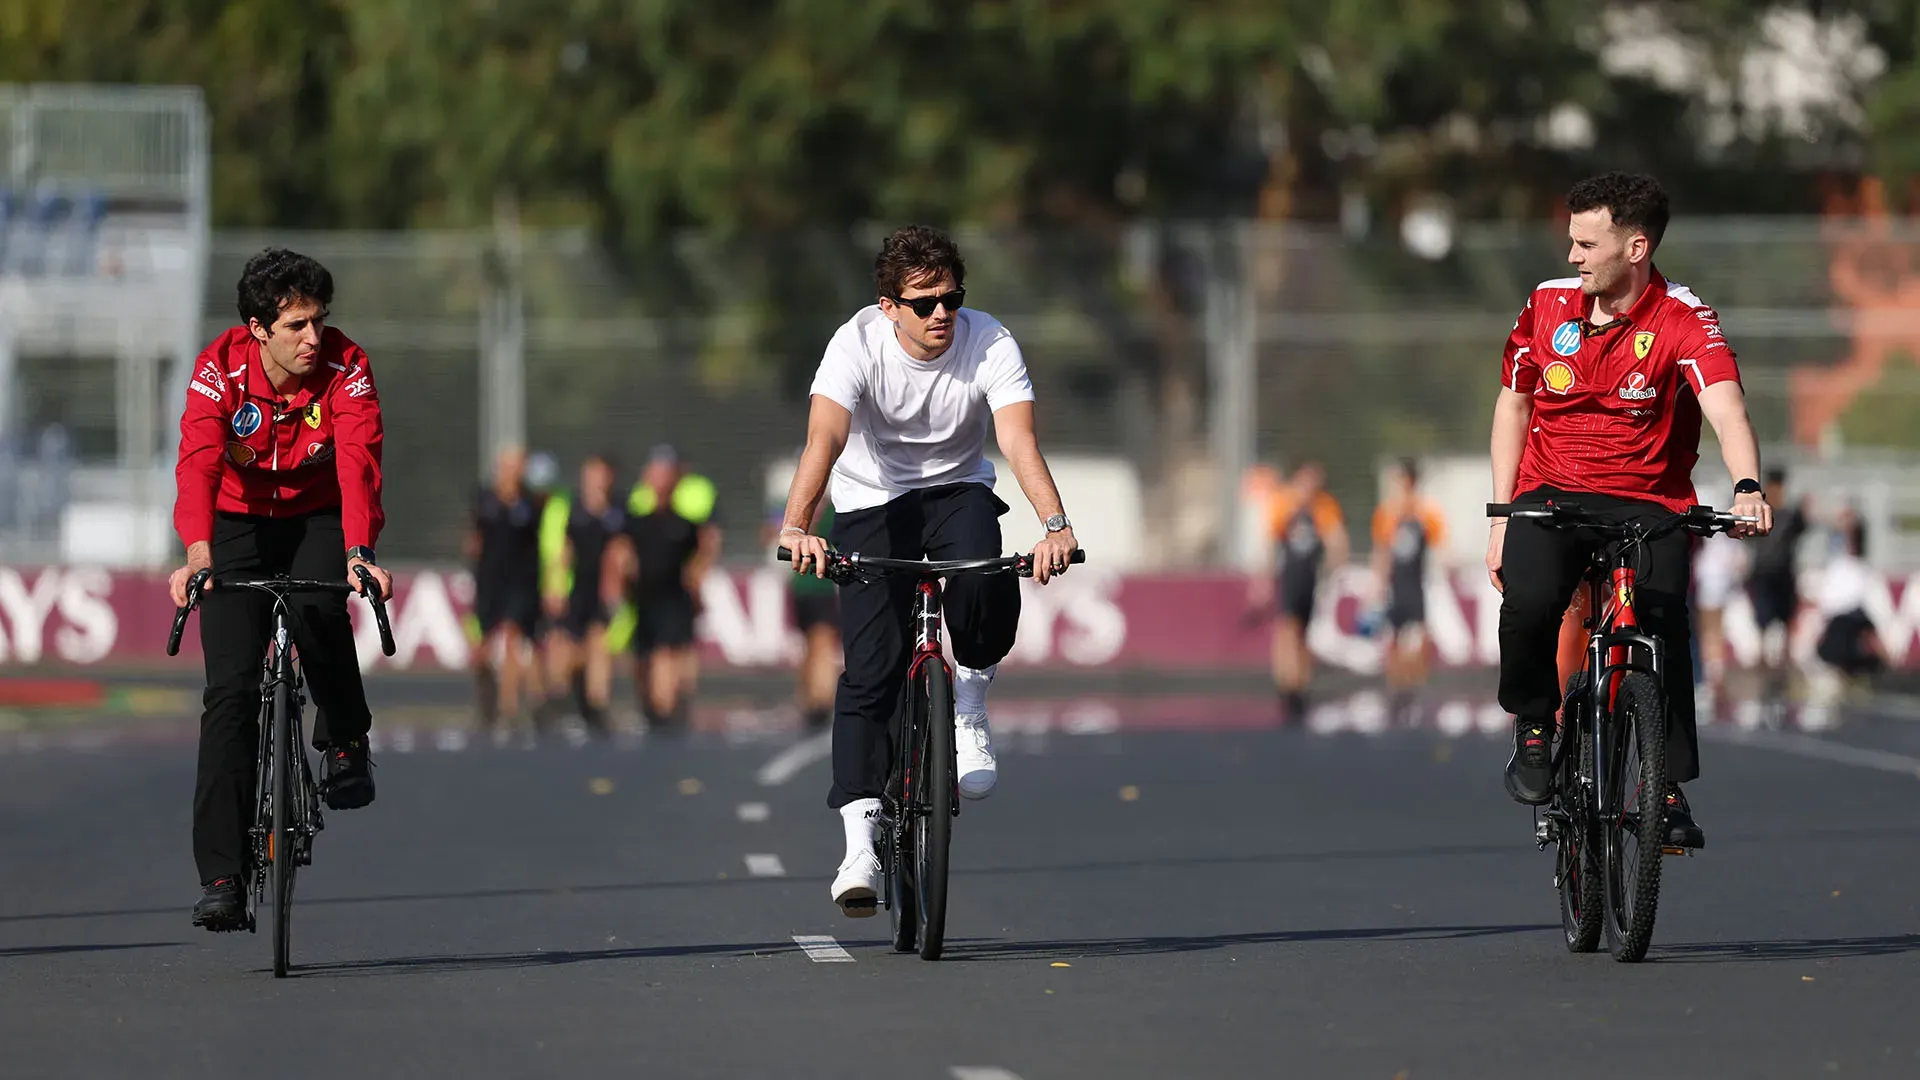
1058 523
1749 486
363 553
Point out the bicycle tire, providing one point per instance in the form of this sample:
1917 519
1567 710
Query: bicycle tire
1637 814
903 903
282 849
934 827
1578 867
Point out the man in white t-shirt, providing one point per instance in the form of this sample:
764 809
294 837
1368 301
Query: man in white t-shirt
899 418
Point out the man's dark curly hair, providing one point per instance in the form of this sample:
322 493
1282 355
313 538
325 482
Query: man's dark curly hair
1636 201
915 253
277 277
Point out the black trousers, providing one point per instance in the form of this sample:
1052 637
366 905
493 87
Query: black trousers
957 521
235 628
1542 567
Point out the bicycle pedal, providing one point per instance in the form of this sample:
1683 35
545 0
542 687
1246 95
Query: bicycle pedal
869 903
1666 850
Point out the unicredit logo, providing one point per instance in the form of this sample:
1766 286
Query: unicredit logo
1637 388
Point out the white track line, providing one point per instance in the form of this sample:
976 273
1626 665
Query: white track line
788 763
765 866
1808 746
981 1072
822 949
753 811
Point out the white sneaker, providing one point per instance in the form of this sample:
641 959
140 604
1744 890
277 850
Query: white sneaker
857 886
973 746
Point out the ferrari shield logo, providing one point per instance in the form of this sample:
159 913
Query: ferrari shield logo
312 413
1642 344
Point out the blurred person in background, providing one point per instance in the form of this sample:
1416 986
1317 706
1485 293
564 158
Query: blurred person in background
1717 563
670 542
504 551
1406 527
1849 644
576 531
279 473
1308 536
1605 379
815 608
1773 584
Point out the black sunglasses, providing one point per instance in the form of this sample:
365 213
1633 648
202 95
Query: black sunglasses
923 305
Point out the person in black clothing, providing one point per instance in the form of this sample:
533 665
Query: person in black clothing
1771 582
670 540
579 646
504 548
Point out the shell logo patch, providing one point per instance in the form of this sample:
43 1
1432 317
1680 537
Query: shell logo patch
240 453
1558 376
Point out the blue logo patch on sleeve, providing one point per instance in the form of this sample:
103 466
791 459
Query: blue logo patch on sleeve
1566 338
247 420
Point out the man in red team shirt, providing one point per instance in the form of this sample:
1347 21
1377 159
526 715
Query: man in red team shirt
1605 379
279 473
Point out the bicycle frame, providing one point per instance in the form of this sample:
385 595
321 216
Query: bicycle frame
1615 647
278 672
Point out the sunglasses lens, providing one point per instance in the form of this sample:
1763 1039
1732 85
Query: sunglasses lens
923 306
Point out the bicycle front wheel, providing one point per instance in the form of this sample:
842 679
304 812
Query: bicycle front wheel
1636 815
281 846
933 824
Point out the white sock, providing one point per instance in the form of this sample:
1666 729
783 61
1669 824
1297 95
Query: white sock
970 688
859 817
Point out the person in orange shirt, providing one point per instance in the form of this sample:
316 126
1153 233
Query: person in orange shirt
1308 535
1405 527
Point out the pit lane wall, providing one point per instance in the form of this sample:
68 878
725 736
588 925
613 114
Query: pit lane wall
1090 620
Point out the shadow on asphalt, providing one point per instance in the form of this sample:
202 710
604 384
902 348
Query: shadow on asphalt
1733 952
453 963
55 950
1144 946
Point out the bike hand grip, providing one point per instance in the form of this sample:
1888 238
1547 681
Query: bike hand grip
783 555
1079 556
371 590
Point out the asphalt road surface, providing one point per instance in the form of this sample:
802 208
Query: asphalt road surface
1172 891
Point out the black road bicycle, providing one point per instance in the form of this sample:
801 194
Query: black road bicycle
286 800
923 787
1608 813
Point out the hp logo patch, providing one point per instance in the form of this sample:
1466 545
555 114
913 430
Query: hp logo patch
247 420
1566 338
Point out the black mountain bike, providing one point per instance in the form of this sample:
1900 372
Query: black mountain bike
1608 814
286 800
923 788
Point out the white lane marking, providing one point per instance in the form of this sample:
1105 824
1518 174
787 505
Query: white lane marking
822 949
1820 749
765 866
753 811
981 1072
788 763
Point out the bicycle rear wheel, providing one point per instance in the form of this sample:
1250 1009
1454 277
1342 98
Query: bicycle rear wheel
1636 816
281 846
1577 868
932 827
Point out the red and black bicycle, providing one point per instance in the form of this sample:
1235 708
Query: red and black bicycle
1608 814
923 788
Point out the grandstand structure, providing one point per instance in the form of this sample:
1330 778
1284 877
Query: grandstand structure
104 240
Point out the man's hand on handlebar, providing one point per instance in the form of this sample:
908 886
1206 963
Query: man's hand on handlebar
809 551
1050 555
380 577
199 557
1751 504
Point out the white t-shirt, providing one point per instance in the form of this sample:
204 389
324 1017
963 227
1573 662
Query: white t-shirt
916 424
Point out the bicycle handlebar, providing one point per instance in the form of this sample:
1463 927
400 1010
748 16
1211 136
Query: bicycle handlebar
1021 565
1700 520
202 580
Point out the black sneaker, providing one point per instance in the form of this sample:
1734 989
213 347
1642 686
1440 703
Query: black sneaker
349 780
222 906
1530 769
1682 830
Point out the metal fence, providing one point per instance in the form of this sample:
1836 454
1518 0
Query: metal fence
1184 351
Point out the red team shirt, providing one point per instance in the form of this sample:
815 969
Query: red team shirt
245 450
1615 410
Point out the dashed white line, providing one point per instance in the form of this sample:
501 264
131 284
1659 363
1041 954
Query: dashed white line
765 866
788 763
822 949
981 1072
1820 749
753 811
